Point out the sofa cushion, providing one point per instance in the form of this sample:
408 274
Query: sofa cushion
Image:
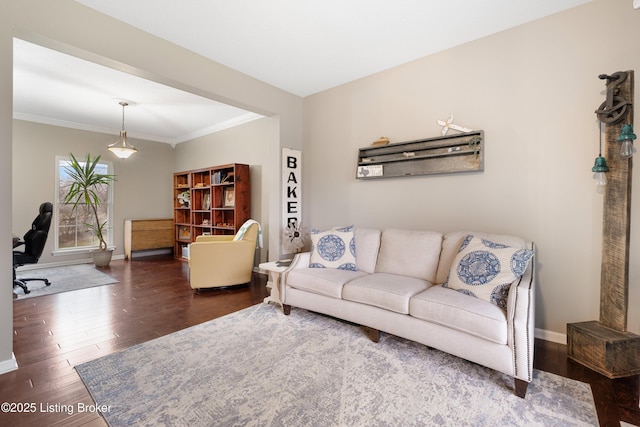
324 281
410 253
486 270
471 315
367 246
388 291
451 244
333 248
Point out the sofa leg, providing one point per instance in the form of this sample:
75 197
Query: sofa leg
286 309
521 387
373 334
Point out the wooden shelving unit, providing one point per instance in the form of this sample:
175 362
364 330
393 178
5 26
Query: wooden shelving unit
462 152
214 200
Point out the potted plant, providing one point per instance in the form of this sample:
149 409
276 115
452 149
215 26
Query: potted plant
85 184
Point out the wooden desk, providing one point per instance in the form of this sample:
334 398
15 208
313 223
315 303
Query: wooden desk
147 234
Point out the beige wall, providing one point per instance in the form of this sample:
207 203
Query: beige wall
6 112
145 175
74 29
533 90
251 144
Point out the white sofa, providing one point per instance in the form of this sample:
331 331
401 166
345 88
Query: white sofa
397 287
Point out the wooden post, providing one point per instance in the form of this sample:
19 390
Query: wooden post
614 276
606 346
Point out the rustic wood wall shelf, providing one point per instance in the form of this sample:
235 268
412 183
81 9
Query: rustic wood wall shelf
446 154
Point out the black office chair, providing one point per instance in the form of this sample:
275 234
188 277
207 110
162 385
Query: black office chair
33 242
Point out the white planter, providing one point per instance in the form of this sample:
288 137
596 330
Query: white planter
102 258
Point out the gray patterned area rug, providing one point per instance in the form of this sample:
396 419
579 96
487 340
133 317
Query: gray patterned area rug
63 279
257 367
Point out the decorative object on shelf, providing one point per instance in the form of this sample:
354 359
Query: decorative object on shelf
370 171
294 237
627 150
121 147
184 233
443 154
383 140
600 169
228 178
84 189
184 198
448 124
229 197
605 345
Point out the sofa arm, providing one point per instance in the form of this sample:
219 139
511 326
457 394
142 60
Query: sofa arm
521 321
300 260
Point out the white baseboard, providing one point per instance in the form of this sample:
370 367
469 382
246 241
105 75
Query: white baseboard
39 266
551 336
8 365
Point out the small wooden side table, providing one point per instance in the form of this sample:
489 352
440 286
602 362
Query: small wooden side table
275 269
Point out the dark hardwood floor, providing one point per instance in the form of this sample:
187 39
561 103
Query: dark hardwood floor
56 332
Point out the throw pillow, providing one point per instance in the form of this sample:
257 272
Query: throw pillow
335 248
485 270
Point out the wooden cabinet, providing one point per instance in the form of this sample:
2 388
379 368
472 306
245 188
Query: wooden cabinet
213 200
147 234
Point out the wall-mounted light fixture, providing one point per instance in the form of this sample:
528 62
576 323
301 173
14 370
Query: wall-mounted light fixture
626 138
121 147
600 169
613 110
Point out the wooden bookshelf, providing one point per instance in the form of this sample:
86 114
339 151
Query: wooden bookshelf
214 200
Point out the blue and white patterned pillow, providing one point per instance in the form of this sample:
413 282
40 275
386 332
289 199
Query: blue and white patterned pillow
485 270
335 248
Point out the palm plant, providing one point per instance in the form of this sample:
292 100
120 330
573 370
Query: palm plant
84 190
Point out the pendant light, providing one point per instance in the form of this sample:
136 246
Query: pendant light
121 148
626 138
600 169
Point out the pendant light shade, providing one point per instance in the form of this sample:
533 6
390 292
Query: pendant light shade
626 138
599 173
600 168
121 147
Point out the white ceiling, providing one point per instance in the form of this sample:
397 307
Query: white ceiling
302 47
44 91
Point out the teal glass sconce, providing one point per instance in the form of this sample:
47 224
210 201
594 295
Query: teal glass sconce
626 138
599 170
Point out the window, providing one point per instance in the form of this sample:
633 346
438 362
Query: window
71 232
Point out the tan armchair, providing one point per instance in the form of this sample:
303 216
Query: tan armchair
217 260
